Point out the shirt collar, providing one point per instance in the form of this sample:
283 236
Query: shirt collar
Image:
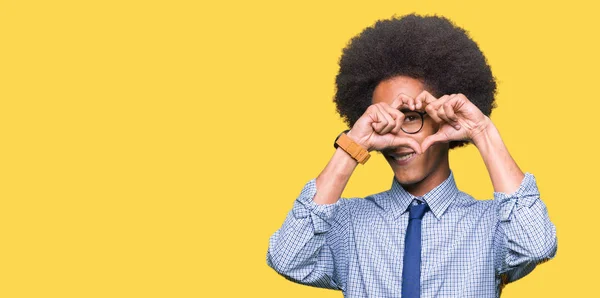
397 199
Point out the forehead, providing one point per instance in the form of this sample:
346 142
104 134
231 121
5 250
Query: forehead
388 90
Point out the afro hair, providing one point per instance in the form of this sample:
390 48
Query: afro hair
429 48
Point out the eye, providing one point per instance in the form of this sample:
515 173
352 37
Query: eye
410 117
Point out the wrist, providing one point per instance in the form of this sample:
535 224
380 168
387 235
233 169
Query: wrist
351 147
483 132
359 140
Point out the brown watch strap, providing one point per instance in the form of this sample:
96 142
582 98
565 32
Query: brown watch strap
358 152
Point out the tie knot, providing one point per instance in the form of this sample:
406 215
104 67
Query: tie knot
417 211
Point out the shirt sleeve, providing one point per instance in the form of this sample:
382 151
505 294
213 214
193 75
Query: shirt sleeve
300 250
528 237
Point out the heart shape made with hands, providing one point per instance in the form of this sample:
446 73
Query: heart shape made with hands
458 117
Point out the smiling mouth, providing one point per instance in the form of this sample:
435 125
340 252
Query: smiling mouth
401 158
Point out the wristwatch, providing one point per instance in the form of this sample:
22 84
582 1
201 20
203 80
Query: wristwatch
358 152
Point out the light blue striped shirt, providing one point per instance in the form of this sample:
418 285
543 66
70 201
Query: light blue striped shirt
470 248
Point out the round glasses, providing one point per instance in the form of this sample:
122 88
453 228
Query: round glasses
413 121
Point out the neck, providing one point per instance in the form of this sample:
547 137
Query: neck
431 181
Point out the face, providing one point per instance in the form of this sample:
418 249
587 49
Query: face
420 171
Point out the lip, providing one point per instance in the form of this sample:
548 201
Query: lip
401 162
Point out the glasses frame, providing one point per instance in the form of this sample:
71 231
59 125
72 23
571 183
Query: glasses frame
422 114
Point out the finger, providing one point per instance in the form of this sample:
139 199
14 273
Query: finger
424 98
397 116
408 100
403 100
418 104
449 107
396 103
389 121
446 112
373 113
432 112
432 139
379 121
436 104
432 109
441 112
407 142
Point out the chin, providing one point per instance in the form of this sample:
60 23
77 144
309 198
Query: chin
408 178
409 172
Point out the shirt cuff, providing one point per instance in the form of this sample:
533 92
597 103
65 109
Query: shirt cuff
320 214
525 196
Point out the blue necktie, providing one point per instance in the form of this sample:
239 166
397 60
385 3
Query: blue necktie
411 272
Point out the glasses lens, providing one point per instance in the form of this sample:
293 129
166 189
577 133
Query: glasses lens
412 122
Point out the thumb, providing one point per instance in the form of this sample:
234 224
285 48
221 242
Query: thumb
410 142
432 139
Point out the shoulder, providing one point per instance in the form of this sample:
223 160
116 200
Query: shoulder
366 202
367 207
464 202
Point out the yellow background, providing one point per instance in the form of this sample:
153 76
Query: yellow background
150 148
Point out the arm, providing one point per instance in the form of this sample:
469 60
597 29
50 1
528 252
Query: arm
303 249
528 235
300 250
504 171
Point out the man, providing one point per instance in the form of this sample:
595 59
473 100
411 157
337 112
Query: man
413 88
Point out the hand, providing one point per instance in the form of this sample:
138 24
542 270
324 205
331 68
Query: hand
378 127
458 117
